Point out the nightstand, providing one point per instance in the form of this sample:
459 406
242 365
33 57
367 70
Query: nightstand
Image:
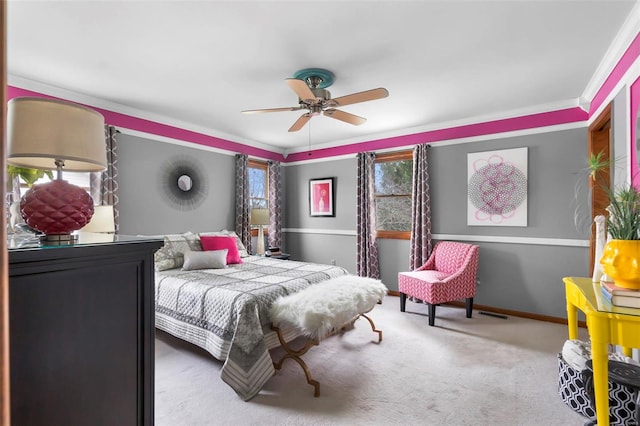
281 256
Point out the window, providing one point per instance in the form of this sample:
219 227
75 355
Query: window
81 179
258 187
393 182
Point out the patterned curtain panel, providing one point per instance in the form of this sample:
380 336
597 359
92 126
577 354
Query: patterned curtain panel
243 224
420 245
367 250
275 204
104 185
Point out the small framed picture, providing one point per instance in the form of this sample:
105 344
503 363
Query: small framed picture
322 197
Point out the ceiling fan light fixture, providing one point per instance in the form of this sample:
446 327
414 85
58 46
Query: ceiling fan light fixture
315 109
309 84
319 76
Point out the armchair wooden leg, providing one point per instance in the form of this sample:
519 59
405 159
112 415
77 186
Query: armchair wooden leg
403 301
432 314
469 306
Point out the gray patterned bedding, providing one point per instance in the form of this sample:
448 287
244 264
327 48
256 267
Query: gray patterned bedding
226 312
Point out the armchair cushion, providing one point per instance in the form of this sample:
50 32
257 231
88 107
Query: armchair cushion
426 275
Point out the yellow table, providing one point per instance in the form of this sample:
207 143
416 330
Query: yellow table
607 324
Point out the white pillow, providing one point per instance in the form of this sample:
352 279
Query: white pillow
213 259
165 258
180 243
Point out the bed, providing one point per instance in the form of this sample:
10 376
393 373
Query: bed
225 310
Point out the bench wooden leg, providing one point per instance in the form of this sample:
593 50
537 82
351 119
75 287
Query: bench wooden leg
373 327
295 355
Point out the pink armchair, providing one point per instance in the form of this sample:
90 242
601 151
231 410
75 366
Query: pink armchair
449 274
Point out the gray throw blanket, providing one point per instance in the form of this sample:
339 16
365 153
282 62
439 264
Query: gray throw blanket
226 312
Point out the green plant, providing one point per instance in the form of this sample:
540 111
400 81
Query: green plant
623 220
597 163
29 176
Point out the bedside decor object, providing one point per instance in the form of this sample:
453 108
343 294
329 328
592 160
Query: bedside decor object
102 221
621 262
601 240
51 134
322 197
259 218
621 256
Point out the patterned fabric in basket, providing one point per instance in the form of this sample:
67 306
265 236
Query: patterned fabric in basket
571 389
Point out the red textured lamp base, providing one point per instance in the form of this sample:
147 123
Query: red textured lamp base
56 208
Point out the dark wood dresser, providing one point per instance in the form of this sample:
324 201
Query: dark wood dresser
81 331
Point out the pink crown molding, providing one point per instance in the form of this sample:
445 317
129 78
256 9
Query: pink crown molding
626 61
152 127
570 115
492 127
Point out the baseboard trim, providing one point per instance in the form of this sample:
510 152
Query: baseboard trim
529 315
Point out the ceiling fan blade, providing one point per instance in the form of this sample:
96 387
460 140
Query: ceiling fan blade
301 89
300 122
257 111
345 116
354 98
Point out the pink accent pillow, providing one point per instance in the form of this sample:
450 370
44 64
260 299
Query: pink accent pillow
220 243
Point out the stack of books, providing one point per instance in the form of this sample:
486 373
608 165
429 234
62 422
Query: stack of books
274 251
620 296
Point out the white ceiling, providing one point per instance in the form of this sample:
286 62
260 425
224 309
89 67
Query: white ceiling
197 64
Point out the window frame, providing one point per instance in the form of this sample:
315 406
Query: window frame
385 158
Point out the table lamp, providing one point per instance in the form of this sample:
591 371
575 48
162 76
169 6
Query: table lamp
53 134
259 218
102 221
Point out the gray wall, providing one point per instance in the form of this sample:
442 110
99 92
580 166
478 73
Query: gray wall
513 275
336 240
144 208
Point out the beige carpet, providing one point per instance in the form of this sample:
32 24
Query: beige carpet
478 371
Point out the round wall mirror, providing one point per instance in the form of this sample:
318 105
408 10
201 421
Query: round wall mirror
185 183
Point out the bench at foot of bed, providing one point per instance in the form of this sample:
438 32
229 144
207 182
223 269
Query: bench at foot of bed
322 310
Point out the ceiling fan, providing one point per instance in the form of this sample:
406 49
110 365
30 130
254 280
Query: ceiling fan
310 86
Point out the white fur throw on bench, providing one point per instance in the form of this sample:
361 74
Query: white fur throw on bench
322 308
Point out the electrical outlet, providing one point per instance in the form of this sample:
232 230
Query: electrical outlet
333 262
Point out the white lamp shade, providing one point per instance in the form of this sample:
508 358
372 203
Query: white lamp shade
101 221
40 130
259 216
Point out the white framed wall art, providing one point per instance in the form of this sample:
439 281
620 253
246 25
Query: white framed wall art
497 188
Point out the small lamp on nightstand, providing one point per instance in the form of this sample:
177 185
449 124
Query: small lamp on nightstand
55 135
102 221
259 218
